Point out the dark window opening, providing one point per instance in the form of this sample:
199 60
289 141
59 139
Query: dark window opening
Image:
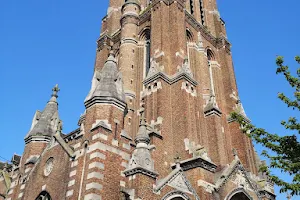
202 12
240 196
148 51
189 36
192 6
210 55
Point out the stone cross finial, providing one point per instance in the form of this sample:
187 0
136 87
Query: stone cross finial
55 91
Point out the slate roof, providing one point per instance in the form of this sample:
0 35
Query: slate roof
43 127
109 81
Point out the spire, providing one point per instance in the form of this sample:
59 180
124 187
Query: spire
43 124
141 161
107 85
142 136
212 106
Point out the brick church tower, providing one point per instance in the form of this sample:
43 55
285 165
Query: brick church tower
157 120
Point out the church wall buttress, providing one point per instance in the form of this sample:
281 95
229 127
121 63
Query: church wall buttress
163 156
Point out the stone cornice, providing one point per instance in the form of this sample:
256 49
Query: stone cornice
130 18
213 111
180 3
37 138
131 2
197 162
106 100
105 39
170 79
216 42
140 170
72 135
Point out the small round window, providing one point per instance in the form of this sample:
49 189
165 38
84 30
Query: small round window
48 167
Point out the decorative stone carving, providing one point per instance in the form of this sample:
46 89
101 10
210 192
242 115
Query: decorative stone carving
154 68
236 173
186 68
179 183
177 180
196 150
240 180
200 45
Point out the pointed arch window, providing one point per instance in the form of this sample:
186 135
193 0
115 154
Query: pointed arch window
44 196
146 36
210 55
148 57
189 36
239 194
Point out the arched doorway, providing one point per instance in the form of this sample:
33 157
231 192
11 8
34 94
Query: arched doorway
240 196
44 196
177 198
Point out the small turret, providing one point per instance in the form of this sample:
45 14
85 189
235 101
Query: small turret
141 161
107 85
44 123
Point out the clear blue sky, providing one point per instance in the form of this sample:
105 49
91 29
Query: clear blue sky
47 42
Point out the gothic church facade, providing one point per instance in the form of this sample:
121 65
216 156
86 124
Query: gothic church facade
157 120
